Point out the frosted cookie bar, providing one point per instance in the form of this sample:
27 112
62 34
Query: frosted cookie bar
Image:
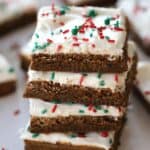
79 39
71 141
85 88
16 13
138 13
142 85
7 77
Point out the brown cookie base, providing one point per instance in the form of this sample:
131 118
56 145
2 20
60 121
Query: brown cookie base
17 22
37 145
91 2
7 87
78 63
74 124
78 94
24 62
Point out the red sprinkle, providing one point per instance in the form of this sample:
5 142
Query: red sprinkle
118 29
81 80
45 14
59 48
54 108
116 77
62 23
111 41
49 41
104 134
66 31
85 39
75 44
147 92
81 135
3 148
93 45
65 37
16 112
75 38
90 107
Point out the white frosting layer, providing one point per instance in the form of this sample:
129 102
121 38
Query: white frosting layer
143 79
138 12
7 73
40 108
93 139
55 32
107 80
14 8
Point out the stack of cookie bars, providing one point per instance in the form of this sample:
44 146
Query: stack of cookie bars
80 77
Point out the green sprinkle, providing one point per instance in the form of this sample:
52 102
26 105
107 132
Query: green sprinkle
74 31
55 101
72 135
98 107
62 12
34 135
81 111
44 111
116 24
52 75
110 141
92 13
91 35
70 103
11 70
107 21
99 75
107 37
52 33
105 111
37 35
84 74
102 83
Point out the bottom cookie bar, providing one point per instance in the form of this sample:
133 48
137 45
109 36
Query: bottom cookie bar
71 141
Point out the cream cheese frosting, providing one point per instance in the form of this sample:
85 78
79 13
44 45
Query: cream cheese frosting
143 79
138 12
113 81
11 8
87 30
40 108
7 72
92 139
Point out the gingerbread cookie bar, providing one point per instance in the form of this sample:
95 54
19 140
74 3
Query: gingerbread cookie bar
138 13
63 117
79 39
7 77
90 2
85 88
71 141
16 13
142 85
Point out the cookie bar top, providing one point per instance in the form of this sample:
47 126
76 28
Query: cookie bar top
11 8
7 72
143 80
93 139
113 81
138 10
57 109
79 30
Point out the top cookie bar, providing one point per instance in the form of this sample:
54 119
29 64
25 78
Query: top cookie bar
80 39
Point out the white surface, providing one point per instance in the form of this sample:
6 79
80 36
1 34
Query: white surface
136 135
